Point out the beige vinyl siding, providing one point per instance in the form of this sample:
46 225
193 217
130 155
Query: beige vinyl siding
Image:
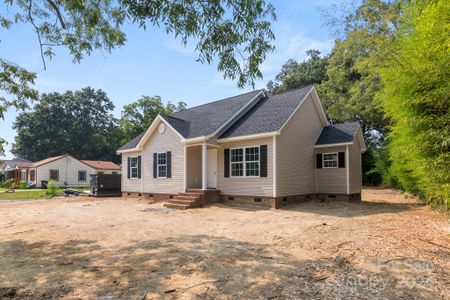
295 151
194 167
355 168
163 142
128 184
68 168
331 180
250 186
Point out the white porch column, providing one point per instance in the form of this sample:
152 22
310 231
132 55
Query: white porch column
204 160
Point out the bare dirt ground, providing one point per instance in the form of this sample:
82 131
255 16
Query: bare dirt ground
388 246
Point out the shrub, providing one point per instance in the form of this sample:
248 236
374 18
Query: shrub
52 188
9 183
22 185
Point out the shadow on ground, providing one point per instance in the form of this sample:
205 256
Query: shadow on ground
202 267
351 209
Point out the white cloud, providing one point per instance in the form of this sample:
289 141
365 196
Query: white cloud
291 45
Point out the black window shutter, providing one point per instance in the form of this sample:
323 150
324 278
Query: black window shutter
319 161
169 164
341 159
263 160
155 174
226 163
139 166
128 167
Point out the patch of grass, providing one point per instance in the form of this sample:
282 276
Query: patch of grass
24 194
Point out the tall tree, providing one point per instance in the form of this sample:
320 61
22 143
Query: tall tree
353 82
294 74
137 116
235 32
77 123
416 97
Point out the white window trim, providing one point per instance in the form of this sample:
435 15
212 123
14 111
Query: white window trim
137 168
244 161
158 164
323 160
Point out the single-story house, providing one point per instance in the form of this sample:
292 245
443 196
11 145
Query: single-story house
68 171
16 168
250 148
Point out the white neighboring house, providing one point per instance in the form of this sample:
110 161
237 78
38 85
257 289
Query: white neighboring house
68 171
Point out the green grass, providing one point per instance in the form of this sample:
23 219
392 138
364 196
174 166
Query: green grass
24 194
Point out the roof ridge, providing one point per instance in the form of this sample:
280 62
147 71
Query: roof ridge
293 90
197 106
175 118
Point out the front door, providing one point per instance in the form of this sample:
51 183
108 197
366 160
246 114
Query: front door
211 166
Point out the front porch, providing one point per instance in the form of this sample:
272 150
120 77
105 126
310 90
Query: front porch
201 166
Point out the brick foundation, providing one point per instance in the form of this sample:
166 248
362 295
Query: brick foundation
278 202
356 197
156 197
210 196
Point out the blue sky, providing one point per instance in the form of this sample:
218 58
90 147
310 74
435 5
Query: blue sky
153 63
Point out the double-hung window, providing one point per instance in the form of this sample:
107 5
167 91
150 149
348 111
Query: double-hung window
162 165
82 176
134 167
245 162
54 175
330 160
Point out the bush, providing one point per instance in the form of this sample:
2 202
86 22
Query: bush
22 185
52 188
8 183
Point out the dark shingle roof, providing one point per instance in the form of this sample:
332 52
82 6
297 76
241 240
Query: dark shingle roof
206 119
132 143
269 114
338 133
203 119
179 125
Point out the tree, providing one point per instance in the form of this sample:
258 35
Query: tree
415 97
350 92
235 32
137 116
294 75
78 123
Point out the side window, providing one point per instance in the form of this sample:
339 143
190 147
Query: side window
330 160
134 167
82 176
54 175
237 162
252 161
162 165
245 162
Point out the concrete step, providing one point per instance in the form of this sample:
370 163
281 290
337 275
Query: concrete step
176 206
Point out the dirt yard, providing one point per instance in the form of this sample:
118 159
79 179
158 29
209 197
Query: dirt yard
388 246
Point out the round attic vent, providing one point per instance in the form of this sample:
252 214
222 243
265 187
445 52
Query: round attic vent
162 128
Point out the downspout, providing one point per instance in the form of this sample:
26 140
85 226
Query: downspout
274 165
347 169
142 175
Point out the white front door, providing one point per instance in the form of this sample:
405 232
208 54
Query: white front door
211 165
